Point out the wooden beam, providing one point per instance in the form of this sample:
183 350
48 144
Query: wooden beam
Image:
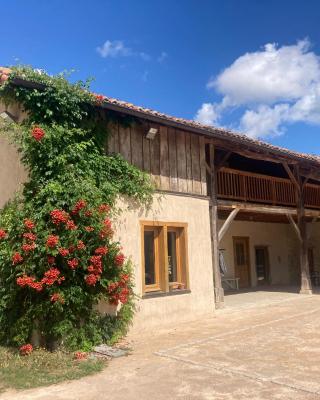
208 168
218 290
261 208
291 176
227 223
295 227
223 161
306 286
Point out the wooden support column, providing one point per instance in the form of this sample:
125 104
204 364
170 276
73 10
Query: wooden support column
306 287
218 290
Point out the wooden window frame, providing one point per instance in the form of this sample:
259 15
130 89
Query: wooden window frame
162 284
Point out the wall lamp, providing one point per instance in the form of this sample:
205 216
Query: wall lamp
151 134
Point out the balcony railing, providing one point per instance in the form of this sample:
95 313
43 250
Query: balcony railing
250 187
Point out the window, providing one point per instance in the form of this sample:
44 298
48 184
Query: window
164 257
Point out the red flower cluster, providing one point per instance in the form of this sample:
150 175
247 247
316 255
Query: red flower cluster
63 252
101 251
28 247
26 349
59 217
81 245
3 234
57 297
91 279
29 281
107 230
37 133
104 208
71 226
99 98
119 259
89 228
52 276
51 260
88 213
52 241
30 236
73 263
96 265
29 224
79 206
119 291
17 258
80 355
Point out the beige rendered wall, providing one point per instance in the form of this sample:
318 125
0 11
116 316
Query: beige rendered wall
281 243
152 313
12 173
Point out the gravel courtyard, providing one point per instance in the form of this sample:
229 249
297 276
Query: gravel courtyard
264 345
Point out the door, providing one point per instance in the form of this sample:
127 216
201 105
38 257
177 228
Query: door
262 265
242 261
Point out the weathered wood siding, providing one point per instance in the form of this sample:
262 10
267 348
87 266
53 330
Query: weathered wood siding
175 158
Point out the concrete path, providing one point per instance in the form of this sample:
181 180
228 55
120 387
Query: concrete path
267 351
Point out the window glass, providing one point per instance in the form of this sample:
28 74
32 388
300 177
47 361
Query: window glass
172 257
149 257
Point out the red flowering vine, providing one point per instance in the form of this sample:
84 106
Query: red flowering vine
73 263
37 133
26 349
57 298
29 224
52 241
3 234
17 258
59 217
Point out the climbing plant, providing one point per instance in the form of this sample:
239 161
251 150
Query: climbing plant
58 257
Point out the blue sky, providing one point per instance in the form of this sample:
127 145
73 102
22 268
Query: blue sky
246 64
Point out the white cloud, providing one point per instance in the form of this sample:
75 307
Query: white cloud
276 86
117 48
207 114
113 49
163 56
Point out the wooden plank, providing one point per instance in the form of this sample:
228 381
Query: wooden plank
223 230
155 160
112 133
125 142
136 145
116 137
195 162
146 154
181 161
164 159
227 204
203 172
188 162
172 147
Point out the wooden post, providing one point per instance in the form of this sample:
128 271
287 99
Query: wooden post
218 290
306 287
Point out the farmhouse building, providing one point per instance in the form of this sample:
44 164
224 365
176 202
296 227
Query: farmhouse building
228 211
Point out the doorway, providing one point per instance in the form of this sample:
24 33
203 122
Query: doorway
262 265
242 261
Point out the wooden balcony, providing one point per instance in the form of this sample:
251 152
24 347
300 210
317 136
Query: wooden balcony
257 188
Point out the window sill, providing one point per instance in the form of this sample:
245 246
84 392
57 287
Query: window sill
151 295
